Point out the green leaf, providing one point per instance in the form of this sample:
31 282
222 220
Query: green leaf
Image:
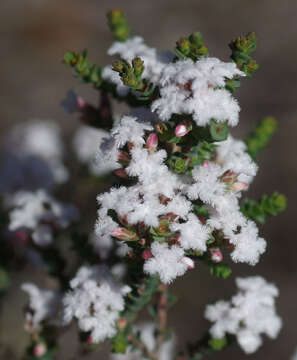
192 47
217 343
118 25
218 131
267 205
119 343
260 136
220 270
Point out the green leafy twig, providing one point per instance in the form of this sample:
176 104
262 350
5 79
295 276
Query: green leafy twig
267 205
260 136
192 47
241 48
131 76
118 25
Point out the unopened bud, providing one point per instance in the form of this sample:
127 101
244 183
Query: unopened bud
152 141
239 186
216 255
229 177
146 254
39 349
89 339
205 163
182 129
80 103
123 157
142 242
124 234
121 323
121 173
189 262
22 236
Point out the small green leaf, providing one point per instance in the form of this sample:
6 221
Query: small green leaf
217 343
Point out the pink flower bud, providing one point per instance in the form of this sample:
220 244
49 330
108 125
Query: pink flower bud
89 339
189 262
123 157
205 163
121 323
80 103
22 236
121 173
216 255
182 129
152 141
146 254
39 349
142 242
229 177
124 234
239 186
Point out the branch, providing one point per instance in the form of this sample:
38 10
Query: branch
142 347
161 315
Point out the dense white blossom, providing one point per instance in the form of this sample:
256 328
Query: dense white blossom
42 305
95 299
197 88
249 314
147 336
166 261
40 213
32 155
193 235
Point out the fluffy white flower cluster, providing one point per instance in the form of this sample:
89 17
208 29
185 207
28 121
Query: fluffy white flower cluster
95 300
41 214
147 332
154 63
197 88
43 304
215 183
32 156
250 313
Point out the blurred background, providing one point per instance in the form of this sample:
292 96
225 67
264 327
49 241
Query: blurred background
34 34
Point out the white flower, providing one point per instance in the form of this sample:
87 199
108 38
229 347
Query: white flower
197 88
86 144
193 235
232 155
43 304
129 129
166 262
32 157
248 315
95 300
41 213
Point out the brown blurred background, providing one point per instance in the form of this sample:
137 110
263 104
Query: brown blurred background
34 35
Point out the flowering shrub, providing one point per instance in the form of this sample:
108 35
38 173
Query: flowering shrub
176 200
